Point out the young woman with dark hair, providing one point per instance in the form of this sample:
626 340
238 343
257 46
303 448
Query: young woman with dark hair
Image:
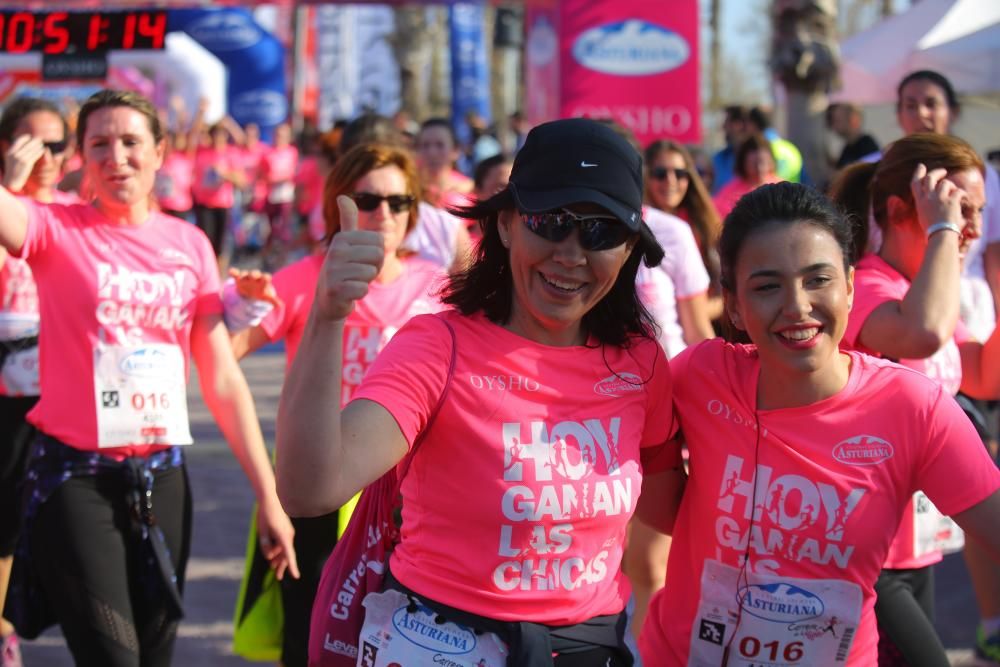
559 390
803 456
754 167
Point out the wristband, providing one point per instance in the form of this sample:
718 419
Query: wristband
941 226
239 313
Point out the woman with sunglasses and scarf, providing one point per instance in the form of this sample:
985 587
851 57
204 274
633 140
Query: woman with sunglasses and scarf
382 181
33 145
515 507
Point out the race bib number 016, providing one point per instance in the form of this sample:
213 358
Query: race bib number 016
782 620
141 395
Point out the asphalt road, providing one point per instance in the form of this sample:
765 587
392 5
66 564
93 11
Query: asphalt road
222 503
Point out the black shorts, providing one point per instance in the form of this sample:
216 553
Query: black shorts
16 436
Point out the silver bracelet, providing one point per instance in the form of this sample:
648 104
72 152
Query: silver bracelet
941 226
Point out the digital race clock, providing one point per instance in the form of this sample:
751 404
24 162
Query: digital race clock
56 33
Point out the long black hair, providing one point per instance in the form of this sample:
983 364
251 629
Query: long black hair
486 286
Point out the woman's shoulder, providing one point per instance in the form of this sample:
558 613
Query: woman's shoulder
713 356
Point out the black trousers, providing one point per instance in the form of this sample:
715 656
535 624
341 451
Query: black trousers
16 436
88 558
212 221
315 538
905 613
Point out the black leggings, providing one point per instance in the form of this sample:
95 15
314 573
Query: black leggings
16 436
85 553
905 612
212 221
315 538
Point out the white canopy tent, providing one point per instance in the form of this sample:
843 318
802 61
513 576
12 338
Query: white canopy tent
959 38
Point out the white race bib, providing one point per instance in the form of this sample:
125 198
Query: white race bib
398 633
141 395
783 621
932 530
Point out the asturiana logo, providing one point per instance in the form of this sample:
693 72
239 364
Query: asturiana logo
780 602
422 629
631 48
225 31
145 362
863 450
261 106
618 384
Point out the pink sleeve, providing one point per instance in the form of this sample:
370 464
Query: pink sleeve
408 376
43 228
210 286
870 292
279 321
659 400
954 451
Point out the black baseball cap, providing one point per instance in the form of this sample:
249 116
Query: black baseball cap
577 160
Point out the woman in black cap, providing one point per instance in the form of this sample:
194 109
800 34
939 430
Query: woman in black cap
557 404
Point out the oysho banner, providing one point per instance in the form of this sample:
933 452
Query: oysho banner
634 61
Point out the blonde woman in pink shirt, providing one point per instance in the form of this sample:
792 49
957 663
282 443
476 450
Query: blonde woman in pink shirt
135 294
515 507
803 457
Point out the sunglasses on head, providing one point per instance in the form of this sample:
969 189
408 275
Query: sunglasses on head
368 202
598 231
660 173
55 147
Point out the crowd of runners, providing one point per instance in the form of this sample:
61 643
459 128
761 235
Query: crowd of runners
620 404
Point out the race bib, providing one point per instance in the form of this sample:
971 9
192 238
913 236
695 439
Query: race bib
932 530
141 395
20 372
767 619
211 179
400 632
281 193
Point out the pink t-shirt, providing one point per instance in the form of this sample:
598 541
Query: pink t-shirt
515 505
173 182
875 282
250 158
105 286
375 319
828 481
19 318
278 170
681 275
726 198
309 180
209 187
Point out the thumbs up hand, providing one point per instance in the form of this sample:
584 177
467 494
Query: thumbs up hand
352 262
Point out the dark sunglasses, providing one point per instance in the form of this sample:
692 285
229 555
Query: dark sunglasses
55 147
597 231
368 202
660 173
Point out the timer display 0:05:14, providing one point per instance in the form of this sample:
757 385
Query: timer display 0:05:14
81 32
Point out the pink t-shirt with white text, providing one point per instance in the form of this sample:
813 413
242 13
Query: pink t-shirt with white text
375 319
277 167
209 188
681 275
103 285
516 503
808 493
875 283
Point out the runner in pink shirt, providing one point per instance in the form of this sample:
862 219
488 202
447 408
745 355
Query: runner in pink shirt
32 169
437 151
217 171
754 167
381 179
801 456
175 177
135 294
516 505
277 170
907 309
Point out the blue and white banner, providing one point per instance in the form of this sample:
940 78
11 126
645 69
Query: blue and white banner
470 71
